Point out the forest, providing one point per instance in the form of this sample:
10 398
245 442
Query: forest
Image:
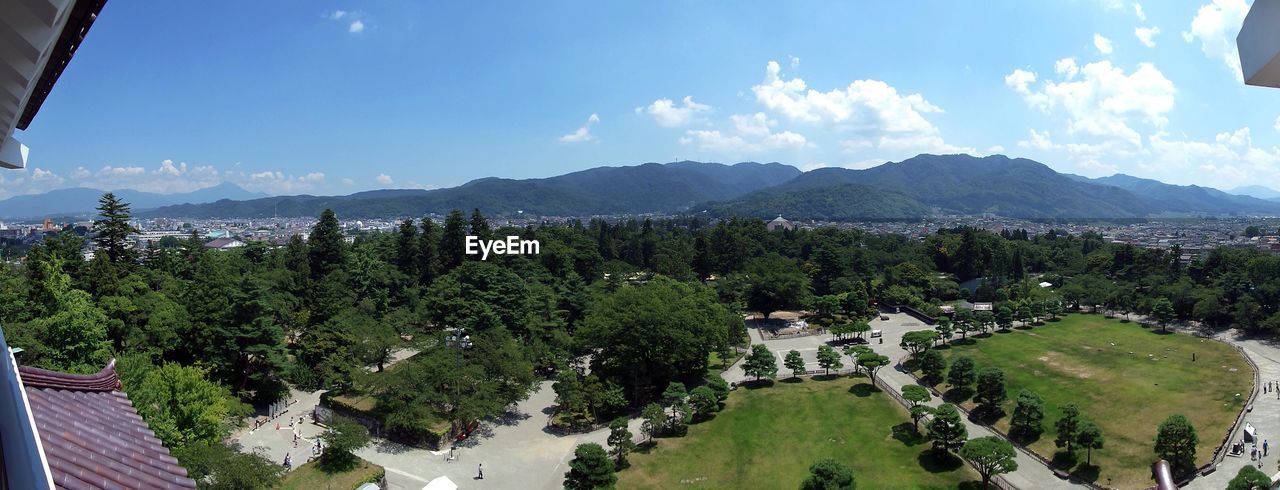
202 336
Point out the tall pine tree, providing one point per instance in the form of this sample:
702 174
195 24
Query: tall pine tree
112 230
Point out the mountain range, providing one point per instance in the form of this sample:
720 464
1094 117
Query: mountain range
916 187
84 200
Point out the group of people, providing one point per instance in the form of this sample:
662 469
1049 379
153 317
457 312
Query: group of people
295 423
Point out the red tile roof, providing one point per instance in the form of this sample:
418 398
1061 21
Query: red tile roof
92 436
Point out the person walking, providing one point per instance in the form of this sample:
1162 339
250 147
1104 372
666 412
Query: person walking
1265 447
480 470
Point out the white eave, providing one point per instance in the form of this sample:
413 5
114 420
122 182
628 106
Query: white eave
1259 44
29 33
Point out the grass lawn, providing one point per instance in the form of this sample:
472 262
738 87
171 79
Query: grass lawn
310 477
768 437
1103 366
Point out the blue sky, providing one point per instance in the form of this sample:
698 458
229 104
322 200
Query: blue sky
335 97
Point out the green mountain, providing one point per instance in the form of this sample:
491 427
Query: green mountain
958 184
648 188
1192 199
836 202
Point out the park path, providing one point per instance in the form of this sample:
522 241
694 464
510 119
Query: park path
1265 415
1031 472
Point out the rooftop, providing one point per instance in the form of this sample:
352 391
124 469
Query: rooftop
93 437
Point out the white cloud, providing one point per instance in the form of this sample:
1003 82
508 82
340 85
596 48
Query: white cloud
1216 25
714 140
1103 44
168 178
1103 100
338 14
1230 160
357 26
863 105
1277 126
1065 67
795 62
1039 141
754 125
167 168
670 114
583 133
873 110
384 179
995 149
1146 35
348 182
1137 10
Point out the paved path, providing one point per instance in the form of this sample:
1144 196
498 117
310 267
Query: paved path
1031 473
1265 416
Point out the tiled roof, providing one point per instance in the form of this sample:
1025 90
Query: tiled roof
92 436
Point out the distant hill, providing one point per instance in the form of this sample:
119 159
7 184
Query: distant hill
919 186
836 202
1258 191
84 200
1190 199
964 184
647 188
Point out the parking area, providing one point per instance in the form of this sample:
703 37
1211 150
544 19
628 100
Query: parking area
887 344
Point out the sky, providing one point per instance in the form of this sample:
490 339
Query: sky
331 97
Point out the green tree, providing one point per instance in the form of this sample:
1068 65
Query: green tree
932 366
917 396
1028 416
760 363
828 474
946 429
645 336
216 466
1068 427
480 225
620 441
180 404
917 341
775 283
675 398
1249 478
1089 437
828 358
1023 313
703 401
326 248
428 252
991 390
795 363
1176 443
590 468
991 456
74 329
720 387
870 362
944 328
112 230
342 439
408 249
1004 316
453 241
1162 311
653 419
962 374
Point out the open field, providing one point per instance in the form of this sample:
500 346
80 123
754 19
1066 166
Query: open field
310 477
1125 378
768 437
